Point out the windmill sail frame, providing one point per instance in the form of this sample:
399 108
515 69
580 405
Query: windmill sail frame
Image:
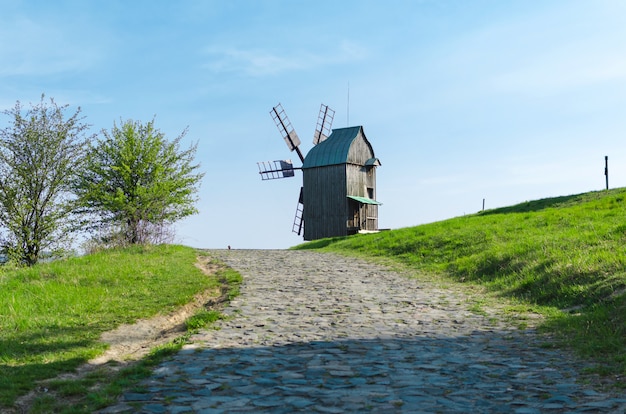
286 129
272 170
324 124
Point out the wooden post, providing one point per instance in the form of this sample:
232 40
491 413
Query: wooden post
606 170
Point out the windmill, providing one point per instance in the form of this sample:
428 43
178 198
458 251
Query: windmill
271 170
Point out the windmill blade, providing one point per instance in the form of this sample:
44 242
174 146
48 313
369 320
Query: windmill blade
272 170
324 123
286 130
298 221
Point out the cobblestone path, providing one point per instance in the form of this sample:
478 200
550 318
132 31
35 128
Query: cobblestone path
315 332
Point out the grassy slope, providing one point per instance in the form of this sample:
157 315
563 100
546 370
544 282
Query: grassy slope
562 253
51 315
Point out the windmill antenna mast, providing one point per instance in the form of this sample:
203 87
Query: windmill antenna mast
348 104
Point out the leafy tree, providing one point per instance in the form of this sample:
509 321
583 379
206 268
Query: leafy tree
39 153
135 182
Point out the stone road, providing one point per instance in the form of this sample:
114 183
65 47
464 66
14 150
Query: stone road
315 332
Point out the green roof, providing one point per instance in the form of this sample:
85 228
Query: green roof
334 150
365 200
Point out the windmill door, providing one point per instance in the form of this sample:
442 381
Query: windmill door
355 215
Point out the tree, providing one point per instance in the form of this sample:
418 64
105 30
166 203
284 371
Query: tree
39 153
135 182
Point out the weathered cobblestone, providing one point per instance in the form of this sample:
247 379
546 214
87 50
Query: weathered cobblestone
315 332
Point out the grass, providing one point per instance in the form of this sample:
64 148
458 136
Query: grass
100 388
565 256
52 315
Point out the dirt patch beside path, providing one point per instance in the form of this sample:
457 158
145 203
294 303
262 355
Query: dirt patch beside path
131 342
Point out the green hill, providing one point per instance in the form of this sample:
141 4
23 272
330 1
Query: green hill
566 255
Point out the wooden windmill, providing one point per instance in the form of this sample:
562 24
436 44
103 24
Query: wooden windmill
337 197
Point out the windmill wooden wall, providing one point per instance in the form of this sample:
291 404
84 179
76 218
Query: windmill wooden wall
338 168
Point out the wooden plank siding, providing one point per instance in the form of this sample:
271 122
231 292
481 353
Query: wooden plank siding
361 181
360 151
325 202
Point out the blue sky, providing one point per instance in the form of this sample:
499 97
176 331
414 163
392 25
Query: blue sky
462 101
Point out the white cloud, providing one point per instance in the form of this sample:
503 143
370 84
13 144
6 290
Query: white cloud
262 62
250 62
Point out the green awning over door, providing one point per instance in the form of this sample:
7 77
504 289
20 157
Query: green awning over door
365 200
